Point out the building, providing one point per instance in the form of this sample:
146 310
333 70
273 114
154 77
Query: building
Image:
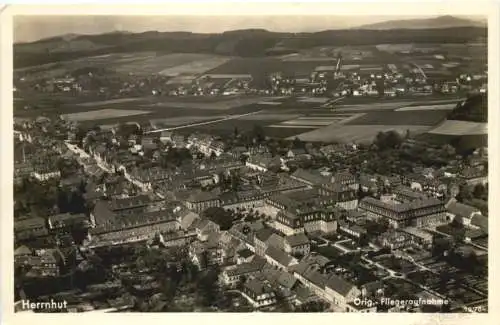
461 213
429 212
200 201
346 179
258 293
297 244
419 237
278 258
67 221
233 275
204 227
260 240
30 228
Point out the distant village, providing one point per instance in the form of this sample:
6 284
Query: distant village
267 225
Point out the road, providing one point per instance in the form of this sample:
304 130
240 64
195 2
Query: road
232 117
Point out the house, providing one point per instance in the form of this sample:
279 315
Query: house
67 221
346 179
419 237
244 256
279 258
309 178
460 212
204 228
479 221
474 234
23 255
260 240
166 137
341 292
296 153
30 228
232 275
208 252
395 239
258 293
353 230
46 263
474 175
297 244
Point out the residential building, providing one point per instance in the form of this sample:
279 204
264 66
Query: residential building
461 213
279 258
30 228
297 244
258 293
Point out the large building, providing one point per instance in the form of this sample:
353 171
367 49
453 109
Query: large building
429 212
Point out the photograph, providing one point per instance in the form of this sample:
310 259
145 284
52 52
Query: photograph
210 163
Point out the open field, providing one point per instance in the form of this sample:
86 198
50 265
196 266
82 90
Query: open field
270 117
221 104
451 127
111 101
319 100
102 114
157 64
426 118
356 133
445 107
195 67
182 120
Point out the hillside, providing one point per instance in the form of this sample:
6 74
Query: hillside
428 23
244 43
474 109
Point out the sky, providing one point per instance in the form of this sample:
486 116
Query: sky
32 28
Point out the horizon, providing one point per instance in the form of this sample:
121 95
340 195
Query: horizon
28 29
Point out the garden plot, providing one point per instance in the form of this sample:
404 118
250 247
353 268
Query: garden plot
102 114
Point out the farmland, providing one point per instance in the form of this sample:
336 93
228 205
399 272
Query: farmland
356 133
102 114
451 127
427 118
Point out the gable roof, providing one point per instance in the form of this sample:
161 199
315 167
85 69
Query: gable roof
23 250
339 285
480 221
279 256
275 240
461 210
297 240
264 234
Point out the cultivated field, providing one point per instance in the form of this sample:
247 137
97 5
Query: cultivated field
182 120
446 107
427 118
356 133
451 127
221 104
102 114
195 67
158 64
111 101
